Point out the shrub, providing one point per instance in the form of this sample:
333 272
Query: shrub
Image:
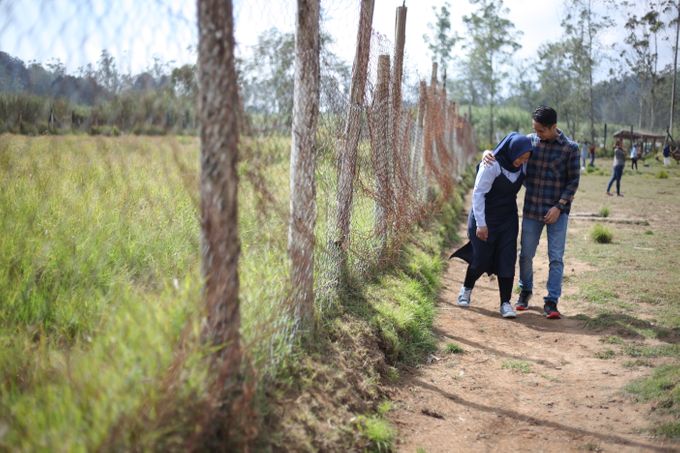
453 348
601 234
662 174
604 211
378 432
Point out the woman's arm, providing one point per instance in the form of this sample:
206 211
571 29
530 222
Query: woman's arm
485 177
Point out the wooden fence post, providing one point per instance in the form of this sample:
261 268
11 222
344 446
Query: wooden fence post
398 156
219 183
348 153
381 151
418 145
301 235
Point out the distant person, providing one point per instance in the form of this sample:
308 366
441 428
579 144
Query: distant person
617 169
591 151
634 154
666 154
584 155
493 222
552 180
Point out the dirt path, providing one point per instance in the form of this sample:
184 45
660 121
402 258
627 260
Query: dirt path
528 384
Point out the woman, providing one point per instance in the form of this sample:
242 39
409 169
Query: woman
493 220
617 169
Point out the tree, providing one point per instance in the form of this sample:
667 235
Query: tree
558 81
490 45
673 6
183 81
267 75
523 84
442 40
107 74
642 56
581 25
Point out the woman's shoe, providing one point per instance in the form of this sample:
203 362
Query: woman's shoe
464 297
507 311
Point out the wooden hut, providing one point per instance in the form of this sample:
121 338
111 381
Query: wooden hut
647 138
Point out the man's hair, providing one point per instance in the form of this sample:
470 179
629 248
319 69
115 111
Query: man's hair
547 116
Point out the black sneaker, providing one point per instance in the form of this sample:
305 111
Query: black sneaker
550 310
523 301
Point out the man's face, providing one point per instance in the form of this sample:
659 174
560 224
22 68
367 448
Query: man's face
545 132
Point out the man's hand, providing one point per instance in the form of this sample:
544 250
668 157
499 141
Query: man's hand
483 233
552 215
487 157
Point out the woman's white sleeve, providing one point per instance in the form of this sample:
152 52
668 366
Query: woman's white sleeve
485 177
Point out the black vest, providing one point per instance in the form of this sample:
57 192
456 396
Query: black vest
500 204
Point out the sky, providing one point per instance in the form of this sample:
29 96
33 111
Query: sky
137 31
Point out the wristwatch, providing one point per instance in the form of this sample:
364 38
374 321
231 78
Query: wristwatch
561 206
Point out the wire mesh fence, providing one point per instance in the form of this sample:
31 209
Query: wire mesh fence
379 166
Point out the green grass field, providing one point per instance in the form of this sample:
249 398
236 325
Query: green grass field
630 285
100 287
99 275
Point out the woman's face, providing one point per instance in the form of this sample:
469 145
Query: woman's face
521 159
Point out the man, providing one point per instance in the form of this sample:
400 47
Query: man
551 182
591 150
584 155
666 154
634 157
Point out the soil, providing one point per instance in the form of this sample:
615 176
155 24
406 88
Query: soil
528 384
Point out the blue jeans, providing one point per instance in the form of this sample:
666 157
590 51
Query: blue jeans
617 172
557 238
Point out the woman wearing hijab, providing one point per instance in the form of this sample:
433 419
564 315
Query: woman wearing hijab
493 221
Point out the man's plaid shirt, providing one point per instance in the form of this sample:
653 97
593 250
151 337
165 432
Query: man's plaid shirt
553 172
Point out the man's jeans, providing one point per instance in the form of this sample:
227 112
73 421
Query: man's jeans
557 237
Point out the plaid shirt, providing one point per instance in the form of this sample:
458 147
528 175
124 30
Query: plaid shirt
553 173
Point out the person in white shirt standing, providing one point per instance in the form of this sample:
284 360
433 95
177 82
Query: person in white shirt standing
634 157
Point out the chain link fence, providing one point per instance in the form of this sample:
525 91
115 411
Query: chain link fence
118 199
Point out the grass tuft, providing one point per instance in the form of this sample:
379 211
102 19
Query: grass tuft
662 174
519 366
453 348
378 432
662 388
611 339
601 234
606 354
604 211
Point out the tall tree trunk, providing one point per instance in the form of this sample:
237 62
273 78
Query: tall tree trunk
641 109
675 68
218 94
301 237
652 109
348 154
492 94
591 113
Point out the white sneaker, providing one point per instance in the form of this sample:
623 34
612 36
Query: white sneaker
464 297
507 311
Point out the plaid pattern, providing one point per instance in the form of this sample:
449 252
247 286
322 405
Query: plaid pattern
553 173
